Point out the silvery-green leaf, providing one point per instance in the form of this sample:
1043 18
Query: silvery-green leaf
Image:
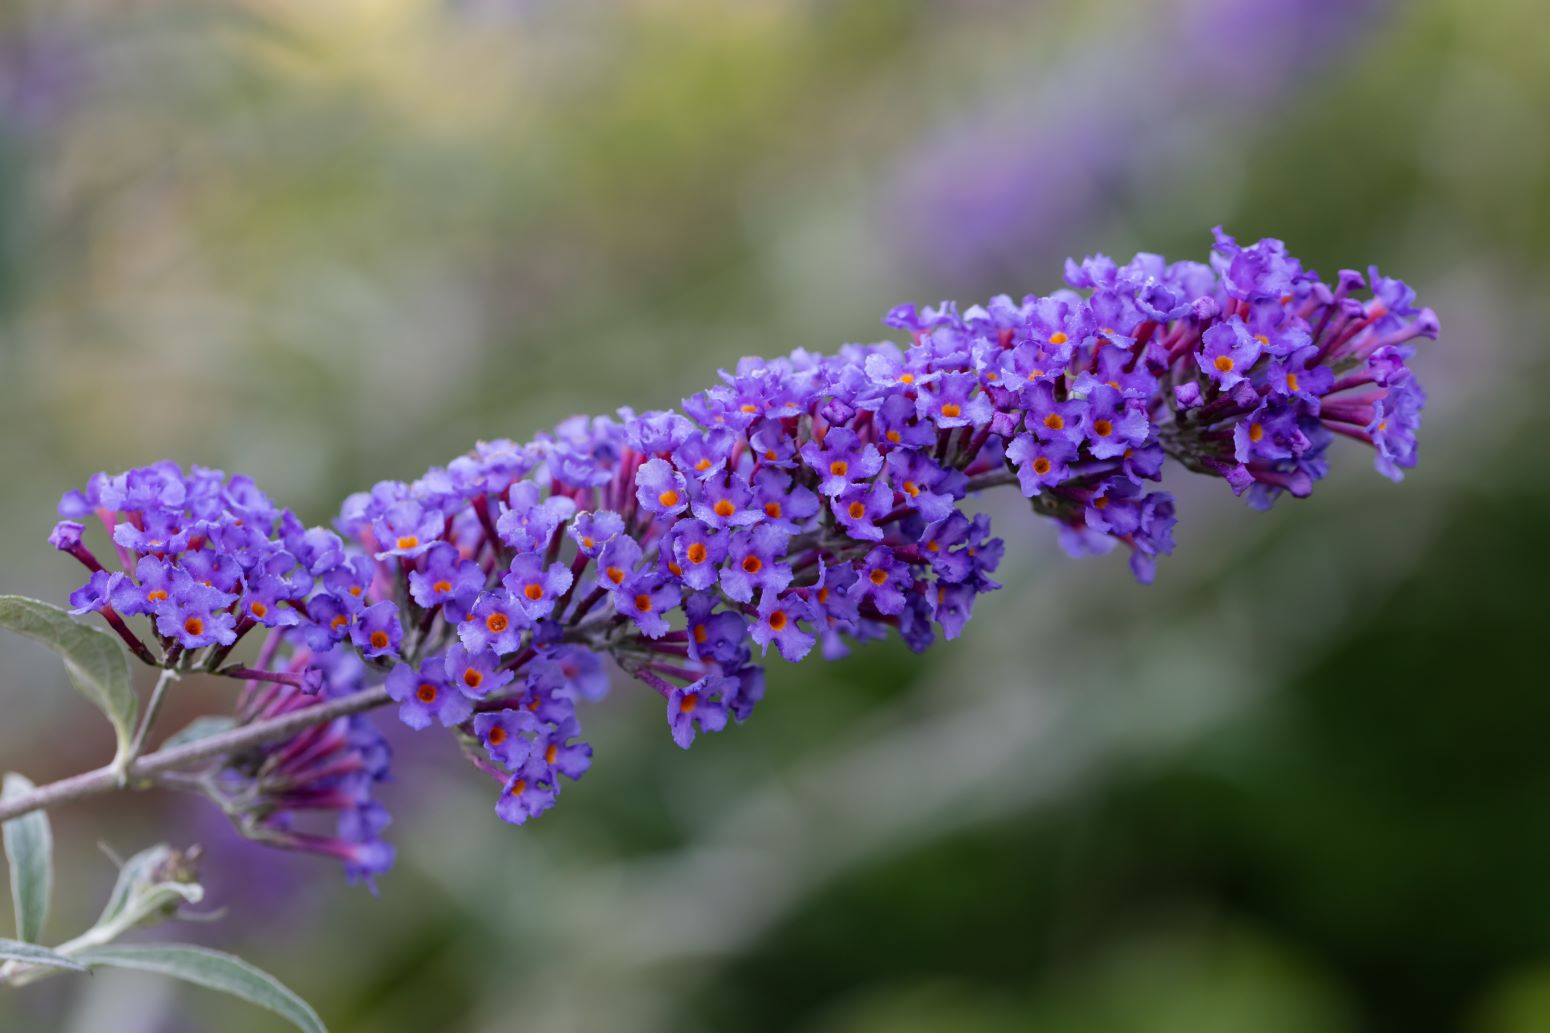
155 879
29 847
93 658
32 954
214 970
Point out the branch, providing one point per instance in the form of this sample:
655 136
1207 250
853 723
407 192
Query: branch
106 779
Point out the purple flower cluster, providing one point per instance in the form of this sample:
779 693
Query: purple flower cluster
801 502
329 770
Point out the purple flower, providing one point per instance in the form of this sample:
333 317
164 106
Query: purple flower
777 622
95 594
529 792
593 530
660 489
647 599
444 578
699 705
784 503
407 529
528 523
697 553
1040 464
882 581
841 461
725 503
495 624
859 509
1051 419
508 735
196 616
536 587
553 749
754 563
1113 423
1230 352
954 401
475 673
424 695
376 632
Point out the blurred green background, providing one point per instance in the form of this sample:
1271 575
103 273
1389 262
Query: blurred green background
1300 784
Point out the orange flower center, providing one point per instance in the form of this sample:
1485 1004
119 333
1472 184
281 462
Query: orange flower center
1291 382
552 752
194 626
878 576
724 508
696 552
473 677
839 467
426 693
951 410
1103 428
893 437
442 587
258 609
752 564
1058 338
702 465
408 541
496 622
772 510
689 702
1054 421
1041 466
857 510
1256 432
1223 364
668 498
497 735
700 634
614 574
533 591
643 603
778 620
379 640
156 595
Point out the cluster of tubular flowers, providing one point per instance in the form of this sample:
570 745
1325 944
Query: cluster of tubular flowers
802 502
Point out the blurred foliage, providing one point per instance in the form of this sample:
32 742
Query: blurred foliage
1295 786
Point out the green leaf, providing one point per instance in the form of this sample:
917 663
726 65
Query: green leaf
149 882
214 970
29 847
32 954
93 658
200 728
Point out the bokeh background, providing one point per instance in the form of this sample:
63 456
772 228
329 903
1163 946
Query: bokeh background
1301 784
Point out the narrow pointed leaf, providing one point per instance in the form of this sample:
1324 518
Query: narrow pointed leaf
29 848
214 970
32 954
95 661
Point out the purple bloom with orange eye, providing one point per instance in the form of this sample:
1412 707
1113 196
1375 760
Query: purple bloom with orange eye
424 695
647 599
772 445
495 624
1050 418
842 460
407 529
216 569
697 553
535 587
754 563
716 635
783 503
1040 464
528 793
96 594
1270 432
376 631
883 580
594 529
859 509
617 561
703 456
1115 508
1113 423
954 401
777 622
444 578
925 487
350 580
527 523
265 600
726 502
660 489
553 749
475 673
1296 377
699 704
897 424
508 735
329 620
1229 352
1396 418
150 591
653 433
197 616
163 533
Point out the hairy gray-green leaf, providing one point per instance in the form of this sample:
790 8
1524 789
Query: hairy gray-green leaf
201 728
156 879
93 658
29 847
32 954
211 969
